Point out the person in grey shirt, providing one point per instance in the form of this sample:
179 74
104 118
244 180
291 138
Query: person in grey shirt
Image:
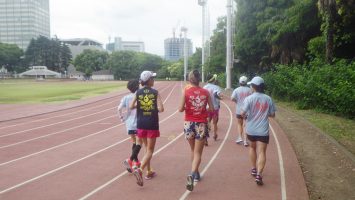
238 96
258 107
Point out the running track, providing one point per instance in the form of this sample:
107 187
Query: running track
77 153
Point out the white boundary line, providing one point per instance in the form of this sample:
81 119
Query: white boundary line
215 154
81 159
281 163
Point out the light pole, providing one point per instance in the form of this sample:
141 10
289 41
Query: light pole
203 4
229 58
184 30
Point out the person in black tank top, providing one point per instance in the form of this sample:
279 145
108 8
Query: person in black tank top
148 103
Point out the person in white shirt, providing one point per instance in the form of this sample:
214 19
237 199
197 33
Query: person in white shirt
238 96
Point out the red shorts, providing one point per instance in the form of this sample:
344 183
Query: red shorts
214 114
143 133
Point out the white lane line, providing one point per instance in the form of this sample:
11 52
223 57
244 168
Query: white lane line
215 154
55 133
15 133
70 142
125 172
64 114
281 163
71 163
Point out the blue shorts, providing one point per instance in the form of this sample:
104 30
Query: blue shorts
196 130
132 132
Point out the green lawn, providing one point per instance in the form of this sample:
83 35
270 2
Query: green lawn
31 91
341 129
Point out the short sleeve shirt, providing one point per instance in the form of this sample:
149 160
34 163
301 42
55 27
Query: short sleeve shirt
258 107
147 109
239 94
131 116
214 90
196 101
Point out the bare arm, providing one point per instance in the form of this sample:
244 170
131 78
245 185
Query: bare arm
182 102
133 104
119 110
160 104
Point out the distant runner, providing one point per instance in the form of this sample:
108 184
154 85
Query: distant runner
238 96
194 102
148 103
258 107
216 95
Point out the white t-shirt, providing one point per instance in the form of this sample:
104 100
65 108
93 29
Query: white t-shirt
258 107
214 90
130 118
239 94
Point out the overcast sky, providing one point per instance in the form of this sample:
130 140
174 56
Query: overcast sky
150 21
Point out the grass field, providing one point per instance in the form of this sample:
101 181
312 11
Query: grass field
341 129
32 91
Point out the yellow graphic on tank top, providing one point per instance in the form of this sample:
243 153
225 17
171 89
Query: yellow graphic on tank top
146 102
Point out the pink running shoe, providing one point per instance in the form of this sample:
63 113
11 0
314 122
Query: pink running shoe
139 176
150 175
136 164
128 165
259 180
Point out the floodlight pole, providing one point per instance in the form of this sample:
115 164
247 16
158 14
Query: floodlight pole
203 4
229 58
184 30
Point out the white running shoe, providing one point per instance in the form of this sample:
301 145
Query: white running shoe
246 143
239 141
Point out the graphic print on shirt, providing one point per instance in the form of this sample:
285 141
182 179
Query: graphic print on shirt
260 108
198 102
146 102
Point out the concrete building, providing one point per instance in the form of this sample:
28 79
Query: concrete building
40 72
102 75
119 45
78 45
22 20
72 73
174 48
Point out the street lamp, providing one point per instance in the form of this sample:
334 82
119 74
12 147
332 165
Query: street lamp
203 3
229 58
184 30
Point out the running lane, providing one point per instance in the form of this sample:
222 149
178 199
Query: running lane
92 169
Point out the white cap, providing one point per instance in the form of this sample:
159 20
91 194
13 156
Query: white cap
243 79
257 80
146 75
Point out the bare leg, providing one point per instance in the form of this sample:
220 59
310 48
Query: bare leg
252 154
240 128
261 156
199 144
215 127
149 153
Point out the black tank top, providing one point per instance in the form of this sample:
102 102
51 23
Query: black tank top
147 109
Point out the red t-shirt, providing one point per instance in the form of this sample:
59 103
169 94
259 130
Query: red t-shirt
196 100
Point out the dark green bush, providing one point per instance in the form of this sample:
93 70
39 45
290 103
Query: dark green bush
329 88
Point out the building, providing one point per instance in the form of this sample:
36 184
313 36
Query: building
174 48
40 72
78 45
102 75
72 73
22 20
119 45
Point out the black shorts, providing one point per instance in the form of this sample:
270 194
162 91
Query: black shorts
263 139
241 117
132 132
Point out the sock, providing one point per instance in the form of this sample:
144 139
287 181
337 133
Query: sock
133 146
135 152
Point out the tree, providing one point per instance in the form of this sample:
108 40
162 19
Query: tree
90 61
124 64
10 55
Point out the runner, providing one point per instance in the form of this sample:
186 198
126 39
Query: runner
258 107
194 102
216 95
148 103
130 120
238 96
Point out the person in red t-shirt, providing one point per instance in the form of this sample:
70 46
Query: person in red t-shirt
194 102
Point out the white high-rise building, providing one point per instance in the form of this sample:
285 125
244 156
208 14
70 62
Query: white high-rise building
22 20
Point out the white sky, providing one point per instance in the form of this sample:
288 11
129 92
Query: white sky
150 21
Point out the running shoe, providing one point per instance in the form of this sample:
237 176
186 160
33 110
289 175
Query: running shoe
215 137
197 177
239 141
259 180
139 176
128 165
190 182
136 164
246 143
150 175
253 172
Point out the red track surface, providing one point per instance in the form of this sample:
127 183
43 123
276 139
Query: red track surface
77 153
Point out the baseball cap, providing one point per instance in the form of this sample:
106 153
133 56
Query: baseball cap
146 75
243 79
257 80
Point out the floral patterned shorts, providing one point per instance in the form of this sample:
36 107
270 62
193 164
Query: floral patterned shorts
196 130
